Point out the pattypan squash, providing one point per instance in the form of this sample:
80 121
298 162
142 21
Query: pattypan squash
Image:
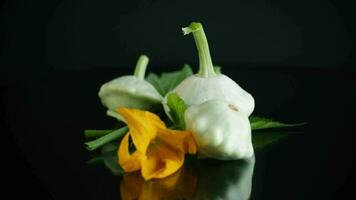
220 130
207 84
131 91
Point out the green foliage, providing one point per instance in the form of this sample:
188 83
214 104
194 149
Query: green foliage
96 133
217 69
108 156
258 123
117 134
264 139
177 108
261 139
169 80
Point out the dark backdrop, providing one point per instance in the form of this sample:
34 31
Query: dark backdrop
44 35
295 56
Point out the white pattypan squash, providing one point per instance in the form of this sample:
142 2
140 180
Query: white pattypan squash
131 91
196 90
206 84
220 130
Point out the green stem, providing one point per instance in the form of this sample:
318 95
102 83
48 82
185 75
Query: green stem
206 68
141 66
96 133
92 145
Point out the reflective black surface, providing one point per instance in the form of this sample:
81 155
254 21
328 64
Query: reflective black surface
44 154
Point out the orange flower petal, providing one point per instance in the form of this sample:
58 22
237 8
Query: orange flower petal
143 126
181 140
128 162
161 161
159 150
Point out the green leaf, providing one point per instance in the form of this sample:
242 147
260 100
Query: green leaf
217 69
263 139
156 82
117 134
258 123
96 133
177 108
169 80
109 157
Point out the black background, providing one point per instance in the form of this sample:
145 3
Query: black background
295 57
40 36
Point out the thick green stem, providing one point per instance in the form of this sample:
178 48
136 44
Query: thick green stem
206 68
96 133
141 66
106 138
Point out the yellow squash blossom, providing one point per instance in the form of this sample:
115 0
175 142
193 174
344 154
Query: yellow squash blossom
159 151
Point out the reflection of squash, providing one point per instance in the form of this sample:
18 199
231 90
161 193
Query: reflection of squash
206 179
229 180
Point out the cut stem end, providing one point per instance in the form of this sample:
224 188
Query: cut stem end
141 66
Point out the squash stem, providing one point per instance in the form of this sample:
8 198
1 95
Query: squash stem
206 68
141 66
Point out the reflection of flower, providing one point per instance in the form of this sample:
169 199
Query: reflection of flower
159 151
180 185
230 180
